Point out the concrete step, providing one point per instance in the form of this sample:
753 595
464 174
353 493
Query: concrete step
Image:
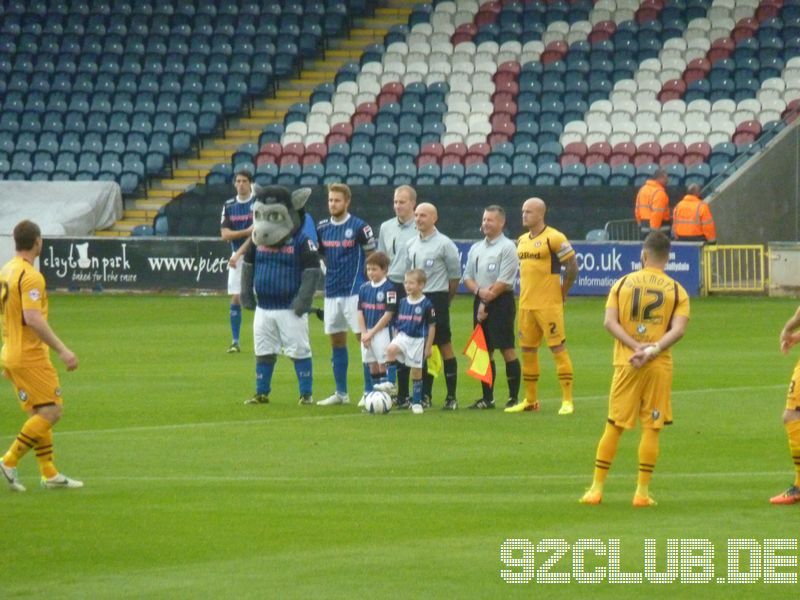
303 84
244 135
158 194
143 214
285 93
150 205
344 53
112 233
179 184
271 114
195 170
216 153
127 225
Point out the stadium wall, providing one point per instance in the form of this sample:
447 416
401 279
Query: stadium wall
573 210
6 248
760 203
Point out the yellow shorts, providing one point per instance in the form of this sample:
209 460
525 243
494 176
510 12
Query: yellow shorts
793 395
643 393
538 323
35 386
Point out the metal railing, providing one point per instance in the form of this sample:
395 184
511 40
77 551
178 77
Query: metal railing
735 269
622 230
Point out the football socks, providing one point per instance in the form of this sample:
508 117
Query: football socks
606 451
513 374
34 429
648 455
367 378
264 369
416 385
303 369
44 455
530 374
391 375
450 376
339 362
236 322
793 431
488 390
564 371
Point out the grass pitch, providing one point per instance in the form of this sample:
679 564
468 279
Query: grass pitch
190 494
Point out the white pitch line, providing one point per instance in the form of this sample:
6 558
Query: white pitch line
317 417
430 478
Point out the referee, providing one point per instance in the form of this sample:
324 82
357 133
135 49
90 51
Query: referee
437 255
394 235
490 274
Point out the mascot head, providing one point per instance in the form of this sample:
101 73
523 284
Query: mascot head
277 214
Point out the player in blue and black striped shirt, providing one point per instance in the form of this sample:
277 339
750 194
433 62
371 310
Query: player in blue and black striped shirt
236 225
345 242
416 328
377 304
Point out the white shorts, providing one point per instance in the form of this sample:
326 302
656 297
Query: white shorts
377 350
276 330
235 278
341 314
412 350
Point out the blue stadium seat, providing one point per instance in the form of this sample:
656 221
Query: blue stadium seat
597 174
549 152
452 174
428 174
266 174
676 173
698 173
644 172
622 175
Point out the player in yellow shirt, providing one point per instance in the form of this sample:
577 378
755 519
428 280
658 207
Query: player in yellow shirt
25 359
542 293
647 312
791 415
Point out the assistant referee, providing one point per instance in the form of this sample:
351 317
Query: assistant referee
490 274
437 255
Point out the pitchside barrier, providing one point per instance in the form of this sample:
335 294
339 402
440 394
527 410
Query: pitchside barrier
740 269
154 264
144 264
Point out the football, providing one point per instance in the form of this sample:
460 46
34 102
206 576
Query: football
378 403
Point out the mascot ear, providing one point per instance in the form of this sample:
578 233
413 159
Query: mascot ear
300 197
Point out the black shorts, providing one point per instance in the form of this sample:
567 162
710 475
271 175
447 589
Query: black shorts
498 328
441 303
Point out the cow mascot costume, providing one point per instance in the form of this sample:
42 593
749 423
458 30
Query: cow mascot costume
281 272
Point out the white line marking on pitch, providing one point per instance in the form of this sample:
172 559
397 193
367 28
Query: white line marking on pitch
433 478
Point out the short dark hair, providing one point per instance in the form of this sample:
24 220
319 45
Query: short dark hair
25 235
657 245
497 209
379 259
244 173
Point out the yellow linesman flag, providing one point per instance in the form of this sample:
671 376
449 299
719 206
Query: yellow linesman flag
478 354
435 362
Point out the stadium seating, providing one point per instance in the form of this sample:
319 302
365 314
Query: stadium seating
109 68
558 93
